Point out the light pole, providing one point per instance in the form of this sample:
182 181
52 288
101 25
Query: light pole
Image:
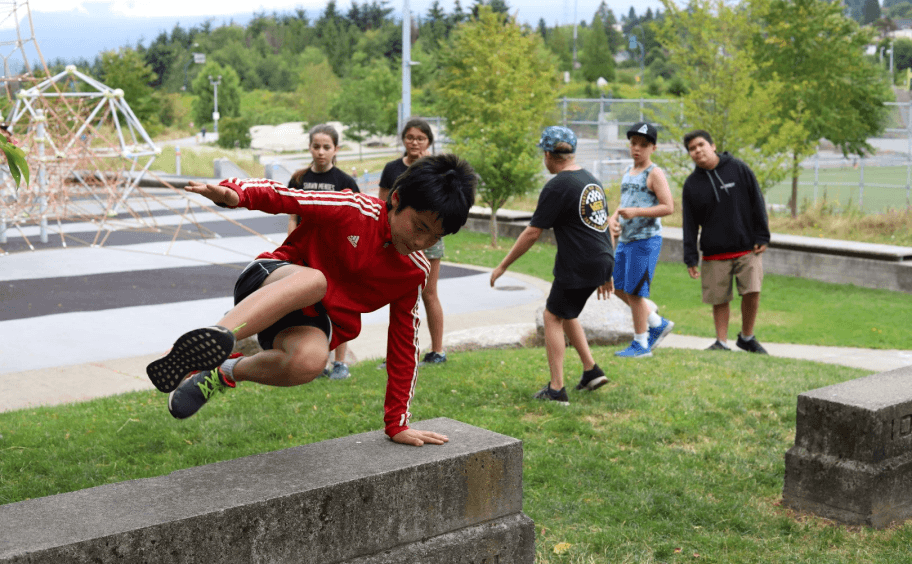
633 45
405 109
215 115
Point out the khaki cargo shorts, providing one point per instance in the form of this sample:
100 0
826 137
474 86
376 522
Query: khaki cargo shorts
716 277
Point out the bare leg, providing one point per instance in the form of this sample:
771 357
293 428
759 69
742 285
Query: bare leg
554 348
721 313
340 352
299 356
750 304
433 308
577 337
287 289
639 309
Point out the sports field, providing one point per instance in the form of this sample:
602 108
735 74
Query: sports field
884 187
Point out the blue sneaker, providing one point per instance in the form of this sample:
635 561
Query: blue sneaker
635 350
656 334
339 371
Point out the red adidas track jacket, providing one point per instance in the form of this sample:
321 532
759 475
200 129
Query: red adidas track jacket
346 236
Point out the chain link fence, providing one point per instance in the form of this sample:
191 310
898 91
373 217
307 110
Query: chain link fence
873 183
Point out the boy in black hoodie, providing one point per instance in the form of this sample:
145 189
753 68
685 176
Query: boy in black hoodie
722 200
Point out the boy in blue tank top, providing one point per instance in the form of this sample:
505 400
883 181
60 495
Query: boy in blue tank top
645 198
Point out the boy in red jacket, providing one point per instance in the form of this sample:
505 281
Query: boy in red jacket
351 254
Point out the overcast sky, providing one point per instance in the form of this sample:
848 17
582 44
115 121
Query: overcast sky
81 29
529 11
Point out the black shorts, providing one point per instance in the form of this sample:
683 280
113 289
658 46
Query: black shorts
250 281
567 303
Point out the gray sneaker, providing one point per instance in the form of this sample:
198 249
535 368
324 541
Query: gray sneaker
433 358
339 371
547 394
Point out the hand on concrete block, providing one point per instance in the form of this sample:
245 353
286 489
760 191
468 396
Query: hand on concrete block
415 437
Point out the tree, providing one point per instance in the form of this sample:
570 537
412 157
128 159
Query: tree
829 88
126 69
596 59
367 101
871 11
234 133
497 88
709 42
229 93
316 85
902 53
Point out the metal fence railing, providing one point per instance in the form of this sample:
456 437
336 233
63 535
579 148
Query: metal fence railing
873 183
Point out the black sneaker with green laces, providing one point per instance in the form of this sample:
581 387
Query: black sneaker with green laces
200 349
195 391
548 394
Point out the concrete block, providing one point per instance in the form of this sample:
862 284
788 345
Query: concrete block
358 499
853 451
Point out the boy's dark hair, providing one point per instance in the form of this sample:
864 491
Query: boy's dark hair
694 134
420 125
440 183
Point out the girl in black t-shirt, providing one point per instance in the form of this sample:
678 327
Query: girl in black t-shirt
417 137
323 175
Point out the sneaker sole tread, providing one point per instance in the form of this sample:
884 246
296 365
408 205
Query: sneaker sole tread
199 349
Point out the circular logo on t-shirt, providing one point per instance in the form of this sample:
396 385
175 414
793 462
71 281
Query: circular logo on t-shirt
593 207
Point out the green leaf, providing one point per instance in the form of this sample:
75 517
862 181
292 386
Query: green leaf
15 158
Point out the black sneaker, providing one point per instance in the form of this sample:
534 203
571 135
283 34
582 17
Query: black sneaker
548 394
433 358
195 391
592 379
200 349
752 346
718 346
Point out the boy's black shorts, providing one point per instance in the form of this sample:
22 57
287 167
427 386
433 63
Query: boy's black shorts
250 281
567 303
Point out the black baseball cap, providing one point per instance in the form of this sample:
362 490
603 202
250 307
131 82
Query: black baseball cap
645 129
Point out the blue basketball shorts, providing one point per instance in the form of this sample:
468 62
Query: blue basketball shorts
635 264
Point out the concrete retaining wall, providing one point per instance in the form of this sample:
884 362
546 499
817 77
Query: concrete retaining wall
884 267
360 499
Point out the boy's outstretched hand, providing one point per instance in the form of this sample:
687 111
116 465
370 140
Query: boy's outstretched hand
415 437
218 194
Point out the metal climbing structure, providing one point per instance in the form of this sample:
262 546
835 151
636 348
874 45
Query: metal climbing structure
87 152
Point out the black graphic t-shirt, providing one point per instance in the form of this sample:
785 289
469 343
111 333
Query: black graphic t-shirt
573 203
331 180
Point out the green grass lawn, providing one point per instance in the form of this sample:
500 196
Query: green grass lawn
792 310
677 456
679 459
884 188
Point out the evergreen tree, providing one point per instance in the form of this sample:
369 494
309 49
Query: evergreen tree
596 58
871 11
229 93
